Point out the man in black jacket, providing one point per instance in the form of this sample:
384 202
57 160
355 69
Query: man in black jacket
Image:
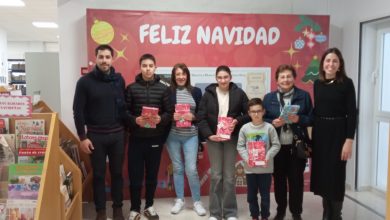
100 106
145 144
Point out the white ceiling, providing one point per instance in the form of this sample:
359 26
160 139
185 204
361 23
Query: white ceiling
17 21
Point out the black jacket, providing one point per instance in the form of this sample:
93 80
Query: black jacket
208 109
151 94
99 102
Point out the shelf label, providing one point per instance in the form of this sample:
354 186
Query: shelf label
14 106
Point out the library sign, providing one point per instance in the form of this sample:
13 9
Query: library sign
15 106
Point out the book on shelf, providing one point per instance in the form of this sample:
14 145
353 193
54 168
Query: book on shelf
71 149
6 154
18 209
31 155
11 141
3 209
33 140
83 170
24 180
256 153
288 110
149 112
4 125
28 126
223 127
183 109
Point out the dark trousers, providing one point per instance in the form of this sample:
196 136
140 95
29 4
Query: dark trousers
111 145
288 172
144 157
259 183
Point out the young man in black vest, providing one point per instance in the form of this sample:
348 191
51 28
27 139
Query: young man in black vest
100 106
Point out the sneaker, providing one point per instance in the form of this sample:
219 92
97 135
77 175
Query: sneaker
179 205
213 218
151 214
232 218
198 208
134 215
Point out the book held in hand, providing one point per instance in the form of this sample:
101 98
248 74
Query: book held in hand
223 127
149 112
288 110
256 153
183 109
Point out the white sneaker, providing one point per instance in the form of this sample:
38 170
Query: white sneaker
151 214
232 218
213 218
134 215
179 205
198 208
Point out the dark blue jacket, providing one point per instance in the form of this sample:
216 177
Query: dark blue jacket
300 97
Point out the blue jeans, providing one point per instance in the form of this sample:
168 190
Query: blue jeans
189 145
258 183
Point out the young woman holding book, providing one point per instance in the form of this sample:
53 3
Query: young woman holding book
288 168
183 137
333 132
225 100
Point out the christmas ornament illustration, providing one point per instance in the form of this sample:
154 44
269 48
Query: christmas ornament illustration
299 44
312 71
102 32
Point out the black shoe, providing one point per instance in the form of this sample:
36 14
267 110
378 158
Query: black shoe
118 214
297 217
101 215
279 216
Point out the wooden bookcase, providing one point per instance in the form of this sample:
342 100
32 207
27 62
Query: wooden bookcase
50 200
64 132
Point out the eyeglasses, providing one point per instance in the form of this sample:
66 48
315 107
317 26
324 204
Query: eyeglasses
256 112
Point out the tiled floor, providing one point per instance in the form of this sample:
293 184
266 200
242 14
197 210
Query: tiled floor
312 208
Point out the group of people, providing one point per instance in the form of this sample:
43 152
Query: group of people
104 109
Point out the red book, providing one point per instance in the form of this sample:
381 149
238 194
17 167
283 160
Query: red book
183 109
149 112
256 153
223 129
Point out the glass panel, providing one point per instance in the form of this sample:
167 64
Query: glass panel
385 96
383 144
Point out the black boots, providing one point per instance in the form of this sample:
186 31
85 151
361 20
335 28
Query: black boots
117 213
332 209
336 210
101 215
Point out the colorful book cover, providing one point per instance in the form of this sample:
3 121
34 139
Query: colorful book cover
256 153
183 109
31 155
29 126
149 112
33 140
223 127
4 125
17 209
287 110
24 180
3 209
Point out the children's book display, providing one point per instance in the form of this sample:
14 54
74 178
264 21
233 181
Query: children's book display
30 188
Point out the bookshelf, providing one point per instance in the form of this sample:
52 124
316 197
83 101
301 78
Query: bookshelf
50 203
64 132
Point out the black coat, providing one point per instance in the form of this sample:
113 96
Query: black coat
151 93
208 109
